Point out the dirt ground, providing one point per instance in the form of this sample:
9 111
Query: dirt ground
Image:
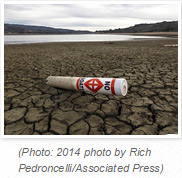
149 108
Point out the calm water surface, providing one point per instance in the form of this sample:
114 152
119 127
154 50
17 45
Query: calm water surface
19 39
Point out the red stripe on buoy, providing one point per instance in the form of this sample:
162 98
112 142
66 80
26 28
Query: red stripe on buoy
77 83
112 86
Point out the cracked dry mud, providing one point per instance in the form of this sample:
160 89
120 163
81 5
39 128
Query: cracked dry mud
150 107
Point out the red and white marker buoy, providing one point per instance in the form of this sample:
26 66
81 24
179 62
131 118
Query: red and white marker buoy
114 86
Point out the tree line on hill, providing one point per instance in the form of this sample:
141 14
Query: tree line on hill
142 28
139 28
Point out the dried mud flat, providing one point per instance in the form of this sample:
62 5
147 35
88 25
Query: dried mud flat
150 107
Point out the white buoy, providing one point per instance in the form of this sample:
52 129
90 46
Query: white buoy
171 45
114 86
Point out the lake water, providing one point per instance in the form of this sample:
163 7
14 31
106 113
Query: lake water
21 39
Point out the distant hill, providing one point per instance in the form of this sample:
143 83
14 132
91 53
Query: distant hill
31 29
140 28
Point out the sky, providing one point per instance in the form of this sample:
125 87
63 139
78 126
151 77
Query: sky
88 16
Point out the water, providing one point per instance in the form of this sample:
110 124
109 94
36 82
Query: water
21 39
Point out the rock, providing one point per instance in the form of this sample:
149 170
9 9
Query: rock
146 101
23 95
143 110
110 108
36 133
8 85
162 107
142 102
169 98
115 127
34 92
164 119
164 92
19 128
11 93
41 100
123 129
79 128
75 94
14 115
48 133
49 103
155 107
100 113
42 126
158 84
96 131
35 98
112 121
83 100
58 127
6 107
94 121
90 108
61 97
146 130
30 101
144 92
169 130
68 117
125 109
51 90
35 115
124 118
102 97
66 106
139 119
15 102
134 89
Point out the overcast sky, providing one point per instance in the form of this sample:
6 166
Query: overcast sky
89 17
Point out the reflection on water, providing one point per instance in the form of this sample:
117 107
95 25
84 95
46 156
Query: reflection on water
21 39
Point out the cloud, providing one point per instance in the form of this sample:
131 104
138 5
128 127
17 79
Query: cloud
89 16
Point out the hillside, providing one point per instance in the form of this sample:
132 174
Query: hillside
140 28
30 29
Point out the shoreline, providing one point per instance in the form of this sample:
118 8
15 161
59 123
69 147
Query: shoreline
162 34
140 33
136 39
